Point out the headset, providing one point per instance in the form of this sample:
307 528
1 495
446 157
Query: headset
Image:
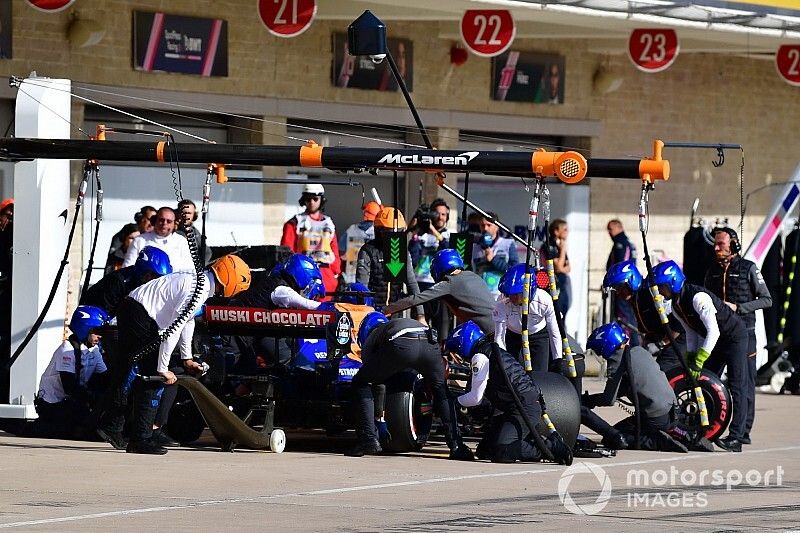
736 246
440 202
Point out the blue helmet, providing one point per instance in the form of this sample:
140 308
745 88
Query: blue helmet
353 299
670 274
306 275
152 259
444 262
85 318
276 270
327 306
370 322
606 339
463 339
624 272
513 280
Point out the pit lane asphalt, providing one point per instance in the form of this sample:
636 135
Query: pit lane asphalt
52 485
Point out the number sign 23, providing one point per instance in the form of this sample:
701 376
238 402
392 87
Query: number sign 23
653 50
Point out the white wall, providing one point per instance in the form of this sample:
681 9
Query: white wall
507 197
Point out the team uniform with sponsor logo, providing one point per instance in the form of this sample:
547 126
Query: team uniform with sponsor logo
315 236
633 371
739 281
389 349
142 316
544 336
63 397
499 377
464 293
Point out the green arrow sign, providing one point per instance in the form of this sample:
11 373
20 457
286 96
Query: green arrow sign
395 253
462 243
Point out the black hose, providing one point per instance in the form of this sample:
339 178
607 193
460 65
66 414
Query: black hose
186 311
98 218
57 280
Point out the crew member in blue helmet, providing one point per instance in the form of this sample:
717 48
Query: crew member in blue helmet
634 374
715 338
464 292
294 284
543 335
75 373
389 347
626 281
359 295
498 376
109 292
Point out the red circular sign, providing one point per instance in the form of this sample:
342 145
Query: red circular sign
787 61
487 32
654 49
50 6
287 18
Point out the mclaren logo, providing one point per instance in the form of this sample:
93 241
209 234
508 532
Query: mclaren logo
434 160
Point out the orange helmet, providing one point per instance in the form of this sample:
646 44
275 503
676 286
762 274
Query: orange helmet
371 210
232 273
385 219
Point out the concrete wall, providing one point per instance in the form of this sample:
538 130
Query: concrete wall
702 98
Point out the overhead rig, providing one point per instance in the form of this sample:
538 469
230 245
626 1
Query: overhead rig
569 167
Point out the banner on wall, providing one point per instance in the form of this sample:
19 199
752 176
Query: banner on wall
528 77
174 43
5 29
362 73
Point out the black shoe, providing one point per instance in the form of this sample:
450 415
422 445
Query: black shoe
729 444
145 447
702 445
483 450
162 439
361 449
746 440
113 438
462 453
666 443
561 452
617 442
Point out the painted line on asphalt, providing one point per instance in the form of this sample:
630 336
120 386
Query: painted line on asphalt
361 488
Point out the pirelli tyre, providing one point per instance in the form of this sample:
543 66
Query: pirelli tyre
562 403
716 395
409 414
186 424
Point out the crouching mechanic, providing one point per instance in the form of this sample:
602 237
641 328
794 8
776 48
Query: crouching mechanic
75 373
166 305
715 338
293 284
498 376
634 374
388 348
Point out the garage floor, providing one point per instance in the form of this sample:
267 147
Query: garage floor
74 486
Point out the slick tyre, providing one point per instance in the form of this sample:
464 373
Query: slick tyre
409 416
717 397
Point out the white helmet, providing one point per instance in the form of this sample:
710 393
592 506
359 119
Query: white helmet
314 188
